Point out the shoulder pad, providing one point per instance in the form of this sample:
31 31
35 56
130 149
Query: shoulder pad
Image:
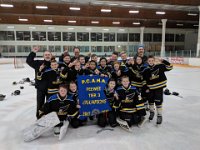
47 70
53 97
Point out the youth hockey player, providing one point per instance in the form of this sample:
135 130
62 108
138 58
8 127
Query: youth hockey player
65 107
53 77
156 80
92 70
104 69
131 106
136 78
109 117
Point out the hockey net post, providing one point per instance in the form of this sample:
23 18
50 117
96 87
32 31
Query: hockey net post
18 62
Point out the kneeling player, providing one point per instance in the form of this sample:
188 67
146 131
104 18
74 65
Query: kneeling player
131 106
65 107
109 117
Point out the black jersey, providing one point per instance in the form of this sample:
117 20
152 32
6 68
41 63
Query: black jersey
73 73
105 70
64 107
135 75
110 96
35 64
53 78
130 101
155 75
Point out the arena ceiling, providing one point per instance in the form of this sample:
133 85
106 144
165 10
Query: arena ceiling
130 13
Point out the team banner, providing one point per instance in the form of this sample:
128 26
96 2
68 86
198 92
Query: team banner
91 95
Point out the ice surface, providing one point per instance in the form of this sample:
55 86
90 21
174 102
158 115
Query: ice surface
180 129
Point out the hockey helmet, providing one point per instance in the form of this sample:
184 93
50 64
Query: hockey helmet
175 93
21 87
16 92
2 97
14 83
26 80
167 92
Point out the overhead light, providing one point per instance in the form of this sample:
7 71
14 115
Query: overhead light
192 14
95 22
10 27
20 19
126 5
136 23
133 11
139 6
74 8
105 29
41 7
195 25
106 10
7 5
48 20
113 4
115 22
71 21
179 24
70 28
160 12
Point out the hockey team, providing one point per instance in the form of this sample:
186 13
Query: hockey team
135 86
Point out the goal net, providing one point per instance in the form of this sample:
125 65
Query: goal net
18 62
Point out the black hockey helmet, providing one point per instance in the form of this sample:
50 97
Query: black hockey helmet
167 92
21 87
175 93
14 83
2 97
16 92
26 80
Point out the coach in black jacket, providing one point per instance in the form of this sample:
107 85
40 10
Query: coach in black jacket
39 85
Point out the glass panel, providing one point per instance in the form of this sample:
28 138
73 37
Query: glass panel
134 37
82 36
7 48
180 38
23 48
122 37
7 36
169 37
157 37
109 48
109 37
23 35
68 36
38 36
84 48
147 37
69 48
56 48
96 36
54 36
96 48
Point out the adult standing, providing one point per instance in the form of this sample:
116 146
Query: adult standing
141 53
40 86
77 54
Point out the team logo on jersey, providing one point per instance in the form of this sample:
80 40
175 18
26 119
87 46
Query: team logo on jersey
63 110
154 74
